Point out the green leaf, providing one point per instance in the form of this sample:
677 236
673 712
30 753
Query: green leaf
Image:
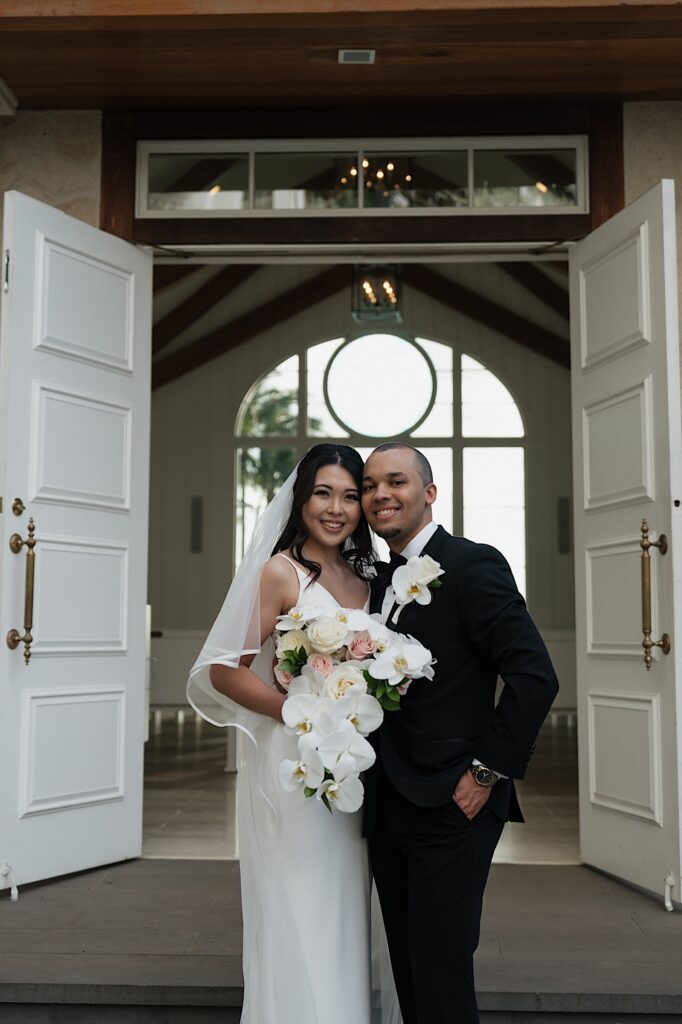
326 803
434 584
393 694
309 791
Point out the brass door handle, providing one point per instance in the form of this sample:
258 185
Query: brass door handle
16 543
647 642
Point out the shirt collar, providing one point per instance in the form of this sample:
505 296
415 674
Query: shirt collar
418 543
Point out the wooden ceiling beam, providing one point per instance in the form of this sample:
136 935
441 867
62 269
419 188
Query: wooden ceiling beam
530 277
198 303
250 325
166 274
488 313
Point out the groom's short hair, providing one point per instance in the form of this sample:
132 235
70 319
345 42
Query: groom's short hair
423 464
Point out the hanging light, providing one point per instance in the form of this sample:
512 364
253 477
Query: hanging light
376 292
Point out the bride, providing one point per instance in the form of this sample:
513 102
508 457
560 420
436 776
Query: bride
304 872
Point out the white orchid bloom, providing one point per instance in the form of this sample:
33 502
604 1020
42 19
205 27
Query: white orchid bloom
380 634
297 618
408 589
363 711
309 681
308 772
342 794
413 581
301 711
355 618
344 750
401 661
420 657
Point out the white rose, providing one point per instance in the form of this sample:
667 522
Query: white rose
424 569
341 679
328 634
291 641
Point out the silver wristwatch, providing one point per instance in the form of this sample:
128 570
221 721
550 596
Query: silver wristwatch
482 775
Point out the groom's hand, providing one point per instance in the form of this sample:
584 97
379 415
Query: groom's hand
469 796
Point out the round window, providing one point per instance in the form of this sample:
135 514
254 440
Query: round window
380 385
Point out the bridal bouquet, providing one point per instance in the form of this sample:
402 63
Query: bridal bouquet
341 672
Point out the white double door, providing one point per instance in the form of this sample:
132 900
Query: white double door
74 454
74 448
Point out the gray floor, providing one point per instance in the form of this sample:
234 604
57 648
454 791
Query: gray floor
553 938
189 808
160 938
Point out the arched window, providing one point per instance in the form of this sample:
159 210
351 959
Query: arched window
377 387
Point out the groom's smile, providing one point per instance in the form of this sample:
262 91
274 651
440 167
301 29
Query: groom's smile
396 500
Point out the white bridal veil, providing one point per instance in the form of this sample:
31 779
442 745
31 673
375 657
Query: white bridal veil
236 631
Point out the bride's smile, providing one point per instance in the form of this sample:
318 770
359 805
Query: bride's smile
332 512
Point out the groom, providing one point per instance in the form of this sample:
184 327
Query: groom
440 792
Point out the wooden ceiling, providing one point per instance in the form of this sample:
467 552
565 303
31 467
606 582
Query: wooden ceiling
190 53
532 280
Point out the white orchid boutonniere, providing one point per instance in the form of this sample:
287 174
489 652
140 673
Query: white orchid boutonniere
414 581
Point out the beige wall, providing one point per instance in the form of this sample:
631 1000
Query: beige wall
54 156
652 140
193 421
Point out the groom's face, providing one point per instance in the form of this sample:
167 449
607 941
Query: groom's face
395 499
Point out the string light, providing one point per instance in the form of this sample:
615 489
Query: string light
390 167
408 177
380 174
353 171
344 181
365 164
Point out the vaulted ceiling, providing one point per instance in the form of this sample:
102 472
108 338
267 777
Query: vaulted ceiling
100 53
176 354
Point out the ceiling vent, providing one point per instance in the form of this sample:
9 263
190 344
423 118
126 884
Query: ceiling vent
357 56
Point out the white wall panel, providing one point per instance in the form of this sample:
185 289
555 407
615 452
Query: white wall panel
72 748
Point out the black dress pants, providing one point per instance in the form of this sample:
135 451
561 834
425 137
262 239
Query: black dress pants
430 865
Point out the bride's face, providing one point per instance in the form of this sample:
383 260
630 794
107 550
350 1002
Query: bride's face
333 510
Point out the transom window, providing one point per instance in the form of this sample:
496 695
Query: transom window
376 387
332 177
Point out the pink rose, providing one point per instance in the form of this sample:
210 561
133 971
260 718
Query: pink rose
283 677
361 646
321 663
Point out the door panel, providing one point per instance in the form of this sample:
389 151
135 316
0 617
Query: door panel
626 434
74 446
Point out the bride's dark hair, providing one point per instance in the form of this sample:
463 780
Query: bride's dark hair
358 547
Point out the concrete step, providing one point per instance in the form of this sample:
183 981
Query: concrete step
120 1004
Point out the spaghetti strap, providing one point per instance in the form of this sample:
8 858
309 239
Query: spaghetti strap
300 571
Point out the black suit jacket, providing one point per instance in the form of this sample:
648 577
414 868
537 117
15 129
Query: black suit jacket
477 627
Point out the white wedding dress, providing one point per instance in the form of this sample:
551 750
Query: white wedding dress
305 881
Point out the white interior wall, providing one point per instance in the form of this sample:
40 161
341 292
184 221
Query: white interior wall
193 421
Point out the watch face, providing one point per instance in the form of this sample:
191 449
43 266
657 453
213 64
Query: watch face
483 775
